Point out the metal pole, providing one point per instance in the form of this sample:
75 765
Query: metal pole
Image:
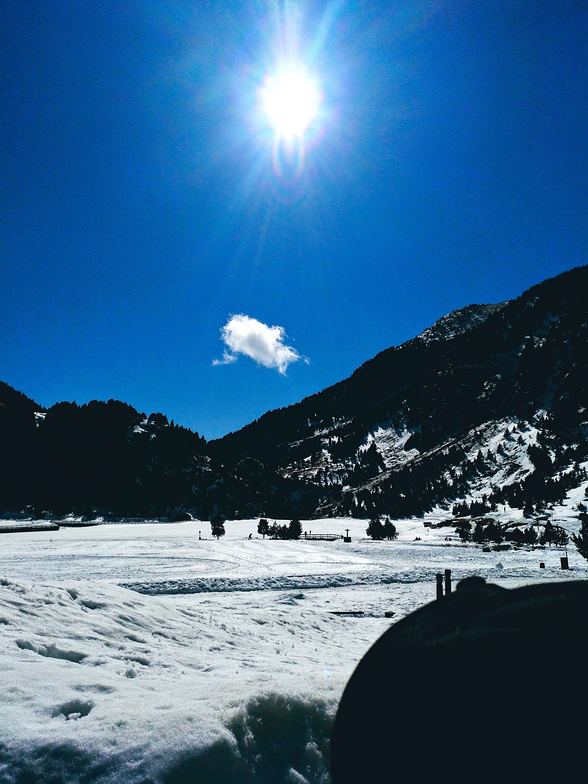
447 582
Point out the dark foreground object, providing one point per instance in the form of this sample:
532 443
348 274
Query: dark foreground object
486 684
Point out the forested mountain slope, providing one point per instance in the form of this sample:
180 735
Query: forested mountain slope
487 406
395 427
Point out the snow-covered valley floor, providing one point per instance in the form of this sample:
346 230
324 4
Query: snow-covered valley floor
140 653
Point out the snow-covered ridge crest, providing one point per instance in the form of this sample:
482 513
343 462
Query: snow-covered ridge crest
458 321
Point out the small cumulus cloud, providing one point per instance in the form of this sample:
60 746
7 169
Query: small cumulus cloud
258 341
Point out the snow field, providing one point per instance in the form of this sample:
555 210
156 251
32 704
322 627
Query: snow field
230 672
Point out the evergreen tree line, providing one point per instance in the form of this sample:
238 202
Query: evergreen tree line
485 532
106 458
293 530
98 456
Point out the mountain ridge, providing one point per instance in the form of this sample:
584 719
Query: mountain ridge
493 312
399 435
411 398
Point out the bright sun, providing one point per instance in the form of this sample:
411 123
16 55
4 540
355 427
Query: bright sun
290 102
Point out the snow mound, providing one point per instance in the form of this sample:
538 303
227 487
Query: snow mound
101 684
271 739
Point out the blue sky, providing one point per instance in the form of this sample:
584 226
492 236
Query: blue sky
141 209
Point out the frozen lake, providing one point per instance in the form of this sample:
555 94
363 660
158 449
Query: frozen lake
141 653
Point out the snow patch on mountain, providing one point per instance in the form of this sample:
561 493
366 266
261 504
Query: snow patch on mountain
390 442
457 322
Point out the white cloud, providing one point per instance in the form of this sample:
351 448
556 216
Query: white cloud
258 341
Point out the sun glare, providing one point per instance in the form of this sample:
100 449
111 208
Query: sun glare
290 102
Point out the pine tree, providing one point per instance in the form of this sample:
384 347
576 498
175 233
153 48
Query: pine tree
389 529
479 534
581 538
560 536
548 535
464 529
277 531
375 529
263 527
274 530
294 529
494 533
217 524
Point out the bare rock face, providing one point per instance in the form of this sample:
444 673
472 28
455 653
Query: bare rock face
486 684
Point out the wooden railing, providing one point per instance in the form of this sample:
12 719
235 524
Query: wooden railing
322 537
